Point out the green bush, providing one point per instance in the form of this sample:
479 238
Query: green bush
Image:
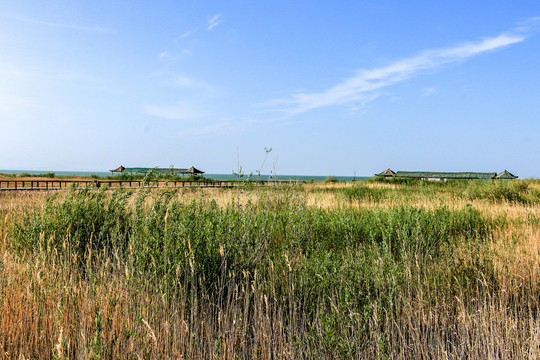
84 220
363 192
512 191
331 179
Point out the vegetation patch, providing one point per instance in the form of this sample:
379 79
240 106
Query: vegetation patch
266 277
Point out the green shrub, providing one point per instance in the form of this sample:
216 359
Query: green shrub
364 192
331 179
84 220
512 191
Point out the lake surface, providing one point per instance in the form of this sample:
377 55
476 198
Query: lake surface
208 176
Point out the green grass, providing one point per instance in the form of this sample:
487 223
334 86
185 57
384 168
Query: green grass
339 282
494 191
349 260
331 179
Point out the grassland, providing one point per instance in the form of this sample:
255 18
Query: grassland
399 270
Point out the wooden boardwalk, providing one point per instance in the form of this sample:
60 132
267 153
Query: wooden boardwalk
13 184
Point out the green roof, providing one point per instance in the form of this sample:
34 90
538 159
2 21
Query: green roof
118 169
446 175
193 170
506 175
171 170
140 170
386 173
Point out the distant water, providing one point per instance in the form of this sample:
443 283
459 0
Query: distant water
59 173
283 177
208 176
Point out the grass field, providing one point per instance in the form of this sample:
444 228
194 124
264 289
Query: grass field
372 269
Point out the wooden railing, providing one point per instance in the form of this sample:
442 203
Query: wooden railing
9 184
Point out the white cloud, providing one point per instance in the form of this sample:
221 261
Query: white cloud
186 34
187 82
214 21
428 92
173 56
178 111
362 86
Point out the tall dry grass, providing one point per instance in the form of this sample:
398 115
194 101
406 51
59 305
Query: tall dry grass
410 271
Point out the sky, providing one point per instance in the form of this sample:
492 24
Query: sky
332 88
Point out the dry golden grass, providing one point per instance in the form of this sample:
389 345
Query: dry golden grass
49 309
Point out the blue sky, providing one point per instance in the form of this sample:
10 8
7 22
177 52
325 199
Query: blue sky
333 88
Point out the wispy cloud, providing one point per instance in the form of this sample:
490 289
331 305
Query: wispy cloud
179 111
185 34
164 54
168 55
428 92
366 83
214 21
99 29
190 83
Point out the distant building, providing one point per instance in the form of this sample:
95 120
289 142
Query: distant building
386 173
506 175
432 175
168 171
193 171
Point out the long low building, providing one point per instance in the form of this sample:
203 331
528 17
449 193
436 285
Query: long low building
434 175
166 171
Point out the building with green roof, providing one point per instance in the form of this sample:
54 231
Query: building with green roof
162 171
506 175
434 175
386 173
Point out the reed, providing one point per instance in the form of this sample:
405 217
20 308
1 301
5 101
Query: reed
262 273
